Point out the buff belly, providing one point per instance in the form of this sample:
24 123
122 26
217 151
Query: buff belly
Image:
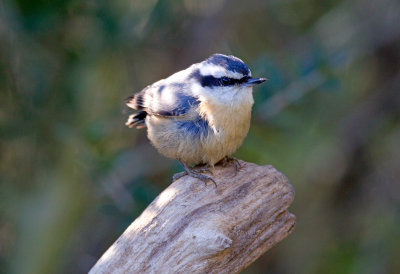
194 142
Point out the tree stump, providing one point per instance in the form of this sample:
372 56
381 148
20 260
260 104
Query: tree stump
192 227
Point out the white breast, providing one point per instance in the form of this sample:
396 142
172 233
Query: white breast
229 120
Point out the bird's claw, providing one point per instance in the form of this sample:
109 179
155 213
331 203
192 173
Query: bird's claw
178 175
196 173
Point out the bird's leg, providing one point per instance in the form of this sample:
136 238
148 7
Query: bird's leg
231 161
195 173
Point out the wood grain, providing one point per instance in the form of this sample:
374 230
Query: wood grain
192 227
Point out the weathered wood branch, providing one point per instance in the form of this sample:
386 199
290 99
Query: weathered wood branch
196 228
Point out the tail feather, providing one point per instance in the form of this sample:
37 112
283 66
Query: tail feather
137 120
135 101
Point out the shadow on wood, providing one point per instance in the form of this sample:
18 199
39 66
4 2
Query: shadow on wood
192 227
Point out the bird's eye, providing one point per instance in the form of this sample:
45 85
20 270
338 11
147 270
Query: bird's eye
225 81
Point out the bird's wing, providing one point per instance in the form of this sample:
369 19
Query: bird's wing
163 100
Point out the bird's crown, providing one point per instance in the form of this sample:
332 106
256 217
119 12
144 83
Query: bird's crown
221 70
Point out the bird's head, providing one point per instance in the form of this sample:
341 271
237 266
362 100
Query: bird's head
224 79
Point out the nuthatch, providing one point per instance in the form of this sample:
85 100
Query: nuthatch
199 115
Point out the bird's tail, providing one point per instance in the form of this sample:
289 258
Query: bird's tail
137 120
135 101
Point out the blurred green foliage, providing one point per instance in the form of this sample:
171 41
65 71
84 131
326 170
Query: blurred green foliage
73 176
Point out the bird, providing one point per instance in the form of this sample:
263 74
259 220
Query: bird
198 116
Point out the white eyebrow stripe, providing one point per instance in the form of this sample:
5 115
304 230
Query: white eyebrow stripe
218 72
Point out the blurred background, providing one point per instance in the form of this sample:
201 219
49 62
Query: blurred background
73 177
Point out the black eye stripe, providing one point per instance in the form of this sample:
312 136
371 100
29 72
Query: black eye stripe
211 81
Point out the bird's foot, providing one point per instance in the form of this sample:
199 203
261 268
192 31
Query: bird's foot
231 161
196 172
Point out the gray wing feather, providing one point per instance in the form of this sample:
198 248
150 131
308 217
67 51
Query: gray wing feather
163 100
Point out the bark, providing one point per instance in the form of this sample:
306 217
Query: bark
192 227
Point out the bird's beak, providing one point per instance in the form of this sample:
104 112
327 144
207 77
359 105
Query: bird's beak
254 81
